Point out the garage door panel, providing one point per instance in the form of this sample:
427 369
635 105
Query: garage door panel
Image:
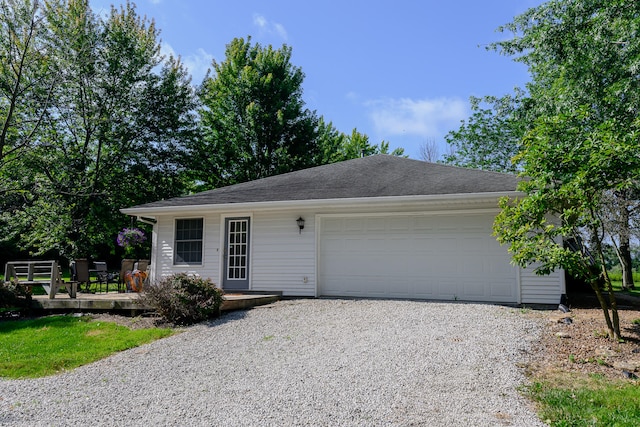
446 288
433 257
422 224
354 225
501 288
400 224
375 223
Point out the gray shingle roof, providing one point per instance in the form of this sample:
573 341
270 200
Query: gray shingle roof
374 176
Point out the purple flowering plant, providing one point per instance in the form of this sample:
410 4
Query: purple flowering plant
130 239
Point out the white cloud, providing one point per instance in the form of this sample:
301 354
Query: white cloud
167 50
282 32
196 63
260 21
428 118
352 97
270 27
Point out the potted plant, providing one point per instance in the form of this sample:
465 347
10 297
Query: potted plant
130 239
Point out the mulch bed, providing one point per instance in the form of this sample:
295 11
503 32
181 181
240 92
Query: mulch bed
580 346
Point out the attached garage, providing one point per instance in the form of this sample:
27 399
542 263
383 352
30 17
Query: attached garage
379 226
436 256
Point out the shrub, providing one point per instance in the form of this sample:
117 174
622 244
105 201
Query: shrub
14 297
184 299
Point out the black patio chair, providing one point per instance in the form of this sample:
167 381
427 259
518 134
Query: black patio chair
104 276
80 274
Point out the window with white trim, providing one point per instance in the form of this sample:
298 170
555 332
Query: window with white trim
188 247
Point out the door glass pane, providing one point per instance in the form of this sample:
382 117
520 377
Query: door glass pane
237 238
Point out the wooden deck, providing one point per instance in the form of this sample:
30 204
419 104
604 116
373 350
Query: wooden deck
128 304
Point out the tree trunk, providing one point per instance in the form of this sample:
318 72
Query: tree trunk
605 308
624 235
614 307
626 263
613 321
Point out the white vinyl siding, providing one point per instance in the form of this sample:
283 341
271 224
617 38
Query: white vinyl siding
283 258
537 289
165 247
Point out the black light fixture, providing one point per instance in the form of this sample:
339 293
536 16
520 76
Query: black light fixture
300 222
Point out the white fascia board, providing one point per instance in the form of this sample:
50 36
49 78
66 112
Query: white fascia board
324 203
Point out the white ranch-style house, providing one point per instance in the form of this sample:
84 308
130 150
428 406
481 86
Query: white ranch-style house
379 226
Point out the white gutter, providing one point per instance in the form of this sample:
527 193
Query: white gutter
346 202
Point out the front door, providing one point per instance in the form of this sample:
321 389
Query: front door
236 254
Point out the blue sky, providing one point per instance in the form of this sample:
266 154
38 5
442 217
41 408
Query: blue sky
400 71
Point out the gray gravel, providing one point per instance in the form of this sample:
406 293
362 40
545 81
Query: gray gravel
303 362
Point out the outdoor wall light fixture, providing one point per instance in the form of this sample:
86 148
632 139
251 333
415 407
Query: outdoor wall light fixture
300 222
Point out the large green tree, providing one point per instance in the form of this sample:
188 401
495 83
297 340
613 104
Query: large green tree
27 76
335 146
585 94
490 138
254 121
111 136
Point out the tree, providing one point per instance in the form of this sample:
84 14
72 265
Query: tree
490 138
27 76
335 146
331 143
254 123
429 151
110 137
620 211
585 96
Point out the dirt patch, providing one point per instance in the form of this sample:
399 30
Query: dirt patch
137 322
576 344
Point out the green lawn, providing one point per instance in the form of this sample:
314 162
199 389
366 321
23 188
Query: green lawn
595 403
48 345
616 281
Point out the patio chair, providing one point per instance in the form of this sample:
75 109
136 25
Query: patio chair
80 273
142 265
127 265
104 276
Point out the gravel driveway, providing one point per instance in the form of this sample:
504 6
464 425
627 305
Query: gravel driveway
302 362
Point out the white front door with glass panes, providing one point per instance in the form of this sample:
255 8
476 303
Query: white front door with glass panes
236 254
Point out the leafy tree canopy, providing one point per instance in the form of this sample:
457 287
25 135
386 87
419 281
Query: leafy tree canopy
110 131
254 122
490 138
583 140
335 146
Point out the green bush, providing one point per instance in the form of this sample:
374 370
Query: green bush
183 299
14 297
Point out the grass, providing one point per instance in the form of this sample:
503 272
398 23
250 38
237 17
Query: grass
597 402
46 346
616 282
617 287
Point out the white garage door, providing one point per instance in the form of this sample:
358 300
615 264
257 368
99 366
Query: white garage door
448 257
